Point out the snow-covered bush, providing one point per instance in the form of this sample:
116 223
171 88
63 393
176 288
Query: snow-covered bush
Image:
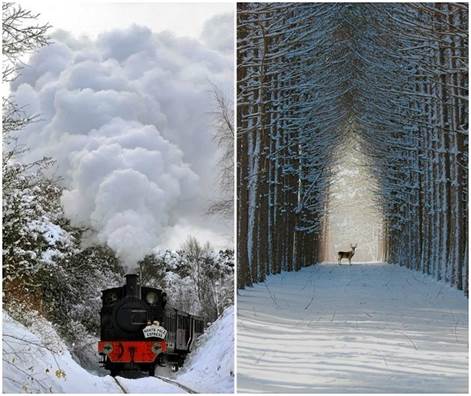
34 231
73 292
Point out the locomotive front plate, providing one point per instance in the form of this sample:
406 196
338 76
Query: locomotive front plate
154 331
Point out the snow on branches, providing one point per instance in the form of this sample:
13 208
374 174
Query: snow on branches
312 75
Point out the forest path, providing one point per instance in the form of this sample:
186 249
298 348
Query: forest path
370 328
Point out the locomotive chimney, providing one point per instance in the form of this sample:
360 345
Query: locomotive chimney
132 286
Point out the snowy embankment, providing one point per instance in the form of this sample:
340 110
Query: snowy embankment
365 328
36 360
210 367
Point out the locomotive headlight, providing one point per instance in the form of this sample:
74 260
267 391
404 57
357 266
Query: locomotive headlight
151 298
108 348
156 347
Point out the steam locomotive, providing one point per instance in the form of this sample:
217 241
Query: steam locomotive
139 331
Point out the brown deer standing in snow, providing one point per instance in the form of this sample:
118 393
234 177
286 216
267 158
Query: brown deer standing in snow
347 255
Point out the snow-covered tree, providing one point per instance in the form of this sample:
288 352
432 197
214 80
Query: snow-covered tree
196 278
312 76
224 137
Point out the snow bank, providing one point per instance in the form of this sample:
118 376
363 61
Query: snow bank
210 367
37 361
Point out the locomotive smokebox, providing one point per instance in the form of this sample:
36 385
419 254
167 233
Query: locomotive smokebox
133 289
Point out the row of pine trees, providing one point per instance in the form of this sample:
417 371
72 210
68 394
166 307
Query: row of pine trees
311 76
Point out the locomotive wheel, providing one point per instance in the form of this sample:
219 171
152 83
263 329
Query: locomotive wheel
114 371
151 370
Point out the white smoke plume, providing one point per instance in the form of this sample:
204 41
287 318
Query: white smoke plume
127 117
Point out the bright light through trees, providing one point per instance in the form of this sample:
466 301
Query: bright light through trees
352 216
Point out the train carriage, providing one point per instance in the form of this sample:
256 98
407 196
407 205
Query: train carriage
183 330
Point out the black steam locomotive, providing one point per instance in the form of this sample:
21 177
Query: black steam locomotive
139 331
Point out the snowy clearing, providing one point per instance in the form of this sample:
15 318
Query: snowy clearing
365 328
210 368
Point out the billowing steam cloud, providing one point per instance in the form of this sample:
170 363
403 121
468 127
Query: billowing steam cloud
127 117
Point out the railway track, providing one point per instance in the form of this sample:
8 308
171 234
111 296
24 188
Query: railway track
120 386
173 382
168 380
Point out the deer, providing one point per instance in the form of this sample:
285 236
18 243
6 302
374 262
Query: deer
347 255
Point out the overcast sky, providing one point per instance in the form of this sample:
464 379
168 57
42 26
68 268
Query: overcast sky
126 112
91 18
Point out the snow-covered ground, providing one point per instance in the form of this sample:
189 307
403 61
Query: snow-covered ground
365 328
210 368
35 360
